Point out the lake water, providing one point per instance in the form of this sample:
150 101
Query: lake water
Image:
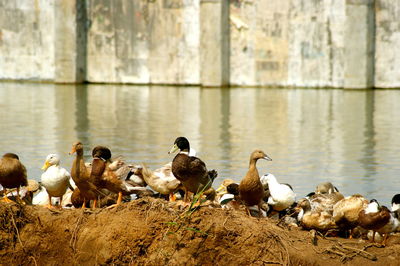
348 137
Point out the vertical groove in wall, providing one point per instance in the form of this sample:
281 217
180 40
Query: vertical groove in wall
82 24
225 43
372 42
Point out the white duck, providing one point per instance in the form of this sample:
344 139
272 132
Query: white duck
162 180
55 178
281 195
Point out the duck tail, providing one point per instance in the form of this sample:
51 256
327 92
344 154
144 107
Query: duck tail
133 189
212 174
146 173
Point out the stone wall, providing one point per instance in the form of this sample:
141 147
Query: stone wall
143 41
307 43
387 56
27 40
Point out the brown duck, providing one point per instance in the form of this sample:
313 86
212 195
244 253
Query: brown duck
112 175
251 190
374 217
191 171
81 176
12 174
345 212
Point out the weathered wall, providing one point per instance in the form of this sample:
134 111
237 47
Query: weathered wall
143 41
387 55
27 39
302 43
317 43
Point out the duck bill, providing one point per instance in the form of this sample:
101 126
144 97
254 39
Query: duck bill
73 150
46 165
266 157
221 188
173 149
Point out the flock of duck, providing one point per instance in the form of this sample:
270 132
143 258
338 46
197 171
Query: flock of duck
107 181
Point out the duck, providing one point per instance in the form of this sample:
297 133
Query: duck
222 189
228 194
12 174
80 174
111 175
326 188
26 193
374 217
55 178
393 225
191 171
162 180
251 190
311 217
396 203
281 195
324 202
346 210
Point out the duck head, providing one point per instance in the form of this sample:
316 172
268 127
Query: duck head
182 144
101 152
396 203
233 189
11 156
372 207
77 147
259 154
325 188
302 207
222 189
267 178
51 159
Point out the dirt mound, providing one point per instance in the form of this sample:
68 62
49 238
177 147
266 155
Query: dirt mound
153 231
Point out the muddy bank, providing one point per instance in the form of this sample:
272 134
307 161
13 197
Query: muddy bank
152 231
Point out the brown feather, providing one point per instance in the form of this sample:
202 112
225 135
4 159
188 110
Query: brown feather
12 172
251 190
192 172
374 221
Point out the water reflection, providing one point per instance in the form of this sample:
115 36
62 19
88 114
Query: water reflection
347 137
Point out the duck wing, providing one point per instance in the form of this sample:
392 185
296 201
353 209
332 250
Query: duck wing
374 221
12 173
96 175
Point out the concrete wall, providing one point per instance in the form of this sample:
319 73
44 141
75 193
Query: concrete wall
387 56
27 39
143 41
310 43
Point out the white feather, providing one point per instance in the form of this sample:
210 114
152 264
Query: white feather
282 196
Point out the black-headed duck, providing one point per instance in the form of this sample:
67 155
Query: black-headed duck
396 203
251 190
111 175
191 171
374 217
12 174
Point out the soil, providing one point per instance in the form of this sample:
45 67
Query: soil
152 231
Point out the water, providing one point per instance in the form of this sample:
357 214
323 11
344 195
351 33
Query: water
348 137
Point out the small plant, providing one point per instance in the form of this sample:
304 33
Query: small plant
197 199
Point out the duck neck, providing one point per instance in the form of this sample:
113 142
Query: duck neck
185 151
77 162
252 163
253 168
